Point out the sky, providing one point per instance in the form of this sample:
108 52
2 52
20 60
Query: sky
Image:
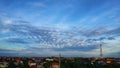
70 27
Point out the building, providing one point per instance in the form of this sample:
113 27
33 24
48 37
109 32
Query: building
55 65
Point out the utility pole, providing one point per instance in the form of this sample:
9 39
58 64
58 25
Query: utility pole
59 60
101 54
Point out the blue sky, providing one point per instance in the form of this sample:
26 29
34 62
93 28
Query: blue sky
69 27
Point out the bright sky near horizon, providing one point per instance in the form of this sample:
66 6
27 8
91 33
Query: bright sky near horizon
69 27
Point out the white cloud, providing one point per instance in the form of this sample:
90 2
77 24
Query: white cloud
62 26
37 4
5 31
117 20
7 21
110 47
99 17
4 38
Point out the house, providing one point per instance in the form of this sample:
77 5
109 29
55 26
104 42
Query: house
55 65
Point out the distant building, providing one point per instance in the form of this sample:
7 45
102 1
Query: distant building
32 64
55 65
109 60
49 59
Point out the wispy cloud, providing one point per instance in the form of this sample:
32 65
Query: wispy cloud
55 38
37 4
